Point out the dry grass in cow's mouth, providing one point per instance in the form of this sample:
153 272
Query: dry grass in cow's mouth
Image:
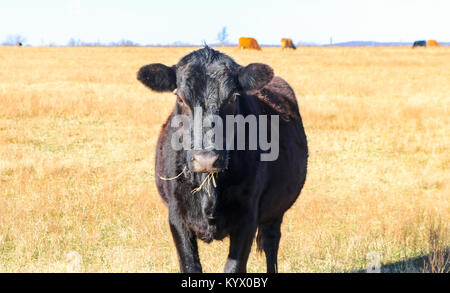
175 177
207 181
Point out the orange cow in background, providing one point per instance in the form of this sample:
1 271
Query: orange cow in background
248 43
287 44
432 43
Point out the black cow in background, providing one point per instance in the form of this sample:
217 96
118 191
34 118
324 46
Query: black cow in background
419 44
245 193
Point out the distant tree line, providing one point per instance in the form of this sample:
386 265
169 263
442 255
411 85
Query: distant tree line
19 40
122 43
14 40
222 40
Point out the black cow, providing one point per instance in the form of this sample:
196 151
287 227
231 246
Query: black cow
242 193
419 44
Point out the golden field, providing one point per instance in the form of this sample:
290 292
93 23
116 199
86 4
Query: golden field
77 140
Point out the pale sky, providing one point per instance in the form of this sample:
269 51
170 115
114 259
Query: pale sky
195 21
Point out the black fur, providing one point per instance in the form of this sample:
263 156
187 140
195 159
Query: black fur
158 77
250 194
255 76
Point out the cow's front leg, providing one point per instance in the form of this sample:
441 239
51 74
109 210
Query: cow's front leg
241 240
186 244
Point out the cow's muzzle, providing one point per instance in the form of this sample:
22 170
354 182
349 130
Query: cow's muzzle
206 162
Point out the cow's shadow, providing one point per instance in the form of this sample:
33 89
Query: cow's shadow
435 262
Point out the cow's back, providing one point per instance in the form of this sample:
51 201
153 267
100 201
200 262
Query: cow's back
280 98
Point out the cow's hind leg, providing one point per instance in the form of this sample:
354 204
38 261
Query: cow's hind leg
269 235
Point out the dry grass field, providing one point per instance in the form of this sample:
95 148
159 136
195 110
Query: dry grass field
77 139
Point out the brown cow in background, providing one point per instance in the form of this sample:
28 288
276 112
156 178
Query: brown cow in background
287 44
432 43
248 43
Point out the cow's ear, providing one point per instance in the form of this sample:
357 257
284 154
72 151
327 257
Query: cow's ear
158 77
255 76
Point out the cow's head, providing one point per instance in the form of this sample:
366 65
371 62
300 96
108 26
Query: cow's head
212 82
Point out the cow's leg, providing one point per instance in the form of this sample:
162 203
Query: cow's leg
241 240
271 234
186 244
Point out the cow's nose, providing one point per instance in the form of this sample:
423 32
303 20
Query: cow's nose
204 162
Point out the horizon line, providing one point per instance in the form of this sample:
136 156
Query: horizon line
128 43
